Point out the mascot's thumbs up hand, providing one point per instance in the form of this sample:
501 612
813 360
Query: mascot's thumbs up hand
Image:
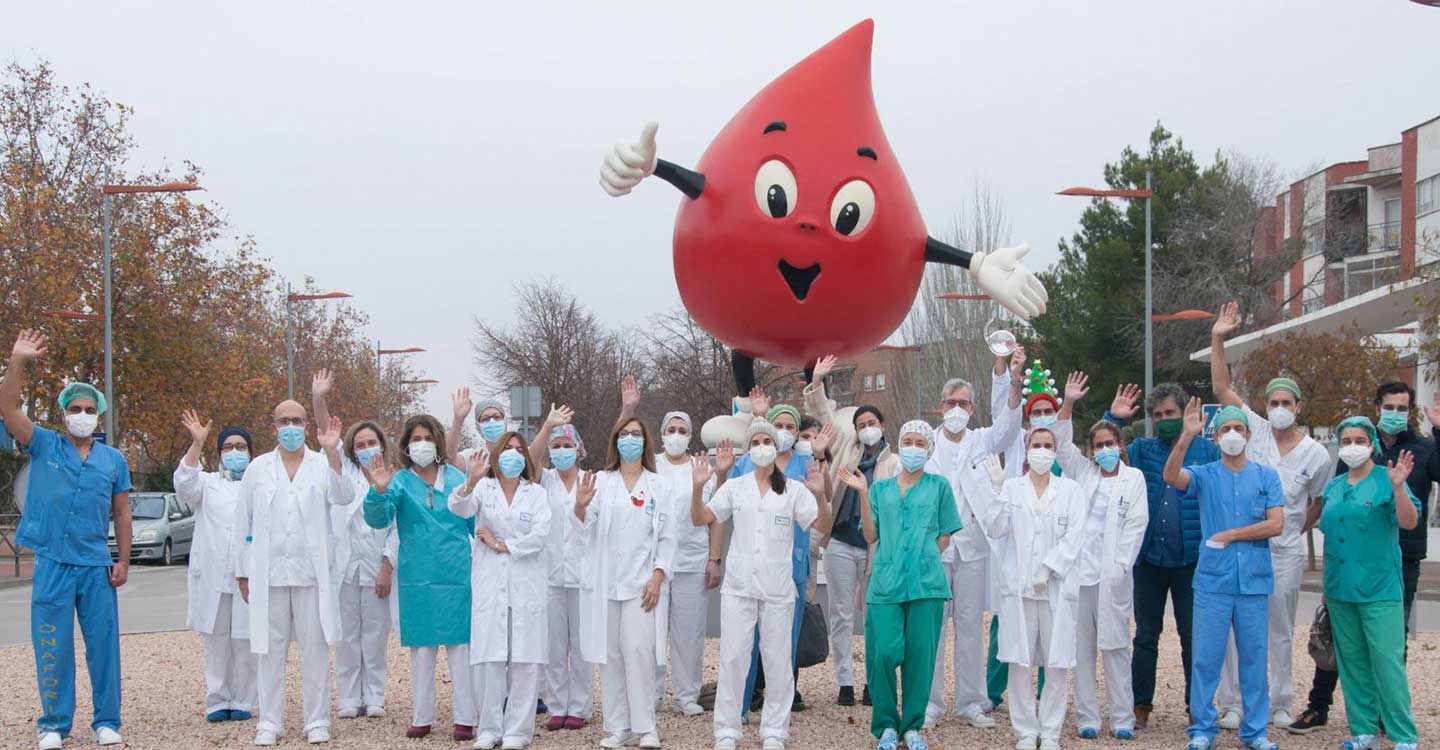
1001 275
628 163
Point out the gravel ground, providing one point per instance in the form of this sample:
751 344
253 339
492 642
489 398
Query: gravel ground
164 690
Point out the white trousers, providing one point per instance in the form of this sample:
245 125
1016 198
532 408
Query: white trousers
569 678
738 619
966 612
1026 718
1120 698
507 693
846 579
360 652
627 678
295 615
230 668
1289 571
422 684
688 609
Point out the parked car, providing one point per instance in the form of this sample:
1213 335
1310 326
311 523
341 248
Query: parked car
162 528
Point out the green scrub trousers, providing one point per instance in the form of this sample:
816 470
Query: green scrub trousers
904 636
1370 648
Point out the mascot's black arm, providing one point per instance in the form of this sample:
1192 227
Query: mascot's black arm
937 251
688 181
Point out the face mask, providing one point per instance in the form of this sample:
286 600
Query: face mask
871 435
803 448
492 429
913 457
1232 443
630 447
422 453
563 458
1108 458
1047 420
785 440
956 419
292 437
235 461
511 463
1040 460
1280 418
762 455
1169 429
366 456
81 425
1393 422
675 444
1355 456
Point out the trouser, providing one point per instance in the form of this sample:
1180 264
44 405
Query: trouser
1120 703
1216 615
295 615
755 678
1026 717
966 612
846 578
688 609
739 618
462 680
1152 584
360 652
997 673
569 678
60 593
901 636
230 668
1369 647
1322 689
1284 600
627 678
507 691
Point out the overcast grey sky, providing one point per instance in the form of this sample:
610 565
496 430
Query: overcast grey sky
428 156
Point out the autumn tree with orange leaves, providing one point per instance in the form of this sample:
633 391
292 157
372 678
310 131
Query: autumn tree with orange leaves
1337 373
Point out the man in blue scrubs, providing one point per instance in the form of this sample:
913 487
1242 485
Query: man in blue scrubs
1241 508
76 484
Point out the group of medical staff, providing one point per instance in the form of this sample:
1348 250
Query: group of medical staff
531 572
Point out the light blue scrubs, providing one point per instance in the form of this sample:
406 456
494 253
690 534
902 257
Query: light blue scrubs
1232 586
66 522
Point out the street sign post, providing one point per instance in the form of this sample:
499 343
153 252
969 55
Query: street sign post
525 406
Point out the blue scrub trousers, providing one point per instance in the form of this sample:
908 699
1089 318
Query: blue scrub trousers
1215 614
755 652
61 592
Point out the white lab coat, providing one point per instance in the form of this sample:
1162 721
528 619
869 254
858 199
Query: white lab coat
515 581
342 526
601 556
1012 523
566 546
213 495
964 466
319 487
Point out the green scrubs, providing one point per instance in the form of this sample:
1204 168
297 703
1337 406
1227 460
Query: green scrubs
905 603
1363 592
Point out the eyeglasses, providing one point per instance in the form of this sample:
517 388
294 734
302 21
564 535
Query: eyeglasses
632 433
290 421
951 403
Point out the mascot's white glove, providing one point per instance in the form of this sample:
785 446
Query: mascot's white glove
628 163
1001 275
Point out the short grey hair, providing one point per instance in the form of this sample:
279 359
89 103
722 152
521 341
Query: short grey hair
1165 391
955 384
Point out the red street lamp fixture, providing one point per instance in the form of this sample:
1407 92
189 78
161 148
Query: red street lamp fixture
1099 193
408 350
168 187
1183 315
74 315
291 297
961 295
424 381
379 372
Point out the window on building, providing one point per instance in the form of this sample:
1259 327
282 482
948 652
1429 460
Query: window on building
1390 229
1427 194
869 383
1314 239
880 382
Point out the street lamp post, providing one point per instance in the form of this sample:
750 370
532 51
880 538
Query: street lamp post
378 372
1149 196
290 299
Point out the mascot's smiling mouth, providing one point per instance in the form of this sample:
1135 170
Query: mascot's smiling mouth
799 279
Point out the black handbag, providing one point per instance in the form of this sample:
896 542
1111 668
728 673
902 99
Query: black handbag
814 645
1322 640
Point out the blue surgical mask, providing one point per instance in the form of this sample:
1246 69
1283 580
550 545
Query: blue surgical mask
511 463
1394 422
292 437
563 458
492 429
1108 458
366 456
235 461
913 457
630 447
1043 421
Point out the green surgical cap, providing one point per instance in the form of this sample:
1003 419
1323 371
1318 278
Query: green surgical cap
776 411
1283 384
82 390
1363 423
1229 414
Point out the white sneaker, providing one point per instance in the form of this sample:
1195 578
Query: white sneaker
980 720
651 741
375 712
913 741
53 741
725 743
1049 743
105 736
930 721
348 713
1282 718
266 738
1027 743
318 735
691 709
1231 720
619 739
486 742
773 743
513 743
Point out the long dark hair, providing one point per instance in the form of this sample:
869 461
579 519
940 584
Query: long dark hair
504 440
436 432
647 453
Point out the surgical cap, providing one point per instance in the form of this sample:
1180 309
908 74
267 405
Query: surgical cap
776 411
1365 424
569 431
82 390
923 429
1283 384
491 403
680 415
1229 414
758 426
230 432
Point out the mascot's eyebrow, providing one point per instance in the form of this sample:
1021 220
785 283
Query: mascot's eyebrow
867 152
776 125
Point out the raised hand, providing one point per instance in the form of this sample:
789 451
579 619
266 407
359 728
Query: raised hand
321 383
627 163
585 490
198 430
759 402
1194 418
461 404
1124 405
1001 275
475 470
1228 321
996 471
815 479
329 435
854 480
823 368
379 475
700 471
822 440
1400 470
1017 365
629 395
30 344
1076 386
725 457
558 415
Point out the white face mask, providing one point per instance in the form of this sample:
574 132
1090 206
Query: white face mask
762 455
1355 456
675 444
422 453
1232 443
785 440
1040 460
871 435
81 425
956 419
803 448
1280 417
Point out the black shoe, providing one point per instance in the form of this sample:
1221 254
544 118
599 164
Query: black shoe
847 696
1308 722
757 701
540 707
865 697
798 704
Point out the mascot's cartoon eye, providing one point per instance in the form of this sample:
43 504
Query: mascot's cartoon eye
775 191
853 207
